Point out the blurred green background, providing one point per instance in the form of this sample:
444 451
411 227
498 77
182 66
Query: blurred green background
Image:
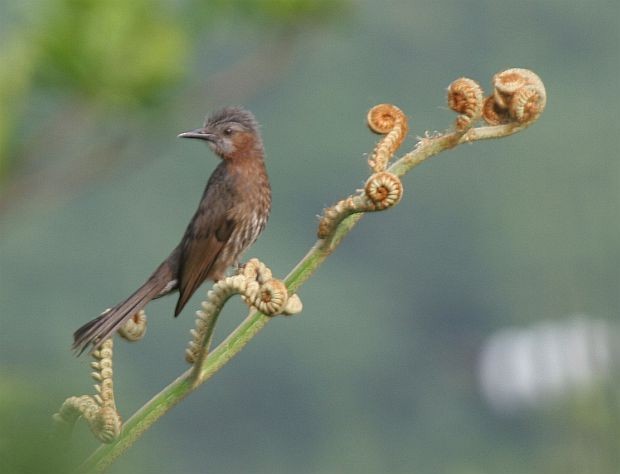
384 371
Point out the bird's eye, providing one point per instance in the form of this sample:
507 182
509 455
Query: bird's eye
228 131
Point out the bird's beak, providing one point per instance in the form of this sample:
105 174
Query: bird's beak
200 133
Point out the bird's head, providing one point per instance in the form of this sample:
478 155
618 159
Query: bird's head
231 132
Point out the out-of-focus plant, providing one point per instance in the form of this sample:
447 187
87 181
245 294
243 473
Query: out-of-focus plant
16 66
114 52
90 62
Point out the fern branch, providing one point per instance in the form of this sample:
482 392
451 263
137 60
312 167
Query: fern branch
517 101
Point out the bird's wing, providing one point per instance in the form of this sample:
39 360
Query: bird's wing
206 236
199 253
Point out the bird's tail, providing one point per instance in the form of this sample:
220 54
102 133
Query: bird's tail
103 326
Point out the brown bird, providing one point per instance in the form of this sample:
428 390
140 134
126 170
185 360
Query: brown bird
232 213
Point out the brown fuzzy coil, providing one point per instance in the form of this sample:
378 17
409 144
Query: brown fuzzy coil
465 97
388 120
519 96
134 328
384 190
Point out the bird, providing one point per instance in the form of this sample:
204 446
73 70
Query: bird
232 212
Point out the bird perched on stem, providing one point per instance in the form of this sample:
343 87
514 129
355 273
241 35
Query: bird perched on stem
232 213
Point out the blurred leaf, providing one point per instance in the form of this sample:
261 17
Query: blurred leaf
117 52
28 441
16 62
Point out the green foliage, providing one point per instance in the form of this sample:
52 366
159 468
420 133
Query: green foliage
115 52
28 443
16 63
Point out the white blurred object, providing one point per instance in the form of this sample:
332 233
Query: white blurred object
524 367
